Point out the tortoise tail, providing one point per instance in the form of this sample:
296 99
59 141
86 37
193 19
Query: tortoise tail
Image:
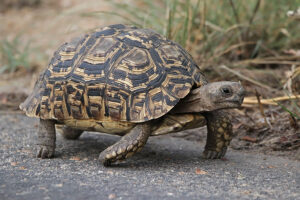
32 105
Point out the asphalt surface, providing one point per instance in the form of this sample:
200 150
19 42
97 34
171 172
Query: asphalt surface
167 168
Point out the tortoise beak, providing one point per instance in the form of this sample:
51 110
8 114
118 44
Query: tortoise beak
241 95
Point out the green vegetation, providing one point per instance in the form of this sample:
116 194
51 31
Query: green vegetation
294 111
217 29
13 55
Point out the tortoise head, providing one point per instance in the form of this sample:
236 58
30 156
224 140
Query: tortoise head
221 95
212 96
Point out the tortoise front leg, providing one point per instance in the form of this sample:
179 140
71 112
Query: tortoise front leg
46 139
219 134
129 144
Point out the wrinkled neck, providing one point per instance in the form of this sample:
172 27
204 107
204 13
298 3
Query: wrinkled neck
196 101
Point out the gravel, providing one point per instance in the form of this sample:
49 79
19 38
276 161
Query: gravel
167 168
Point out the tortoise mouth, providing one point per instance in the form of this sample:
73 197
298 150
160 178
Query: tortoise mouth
237 102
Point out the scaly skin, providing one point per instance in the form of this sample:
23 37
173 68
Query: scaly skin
129 144
46 139
68 132
219 134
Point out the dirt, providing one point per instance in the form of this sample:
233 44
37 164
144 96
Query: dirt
48 24
278 135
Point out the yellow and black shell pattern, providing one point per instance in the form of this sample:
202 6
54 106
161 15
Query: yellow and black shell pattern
119 73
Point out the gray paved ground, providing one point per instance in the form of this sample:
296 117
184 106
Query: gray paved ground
167 168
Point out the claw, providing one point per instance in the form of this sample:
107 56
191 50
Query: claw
44 152
213 154
106 162
223 152
209 154
219 154
39 153
46 139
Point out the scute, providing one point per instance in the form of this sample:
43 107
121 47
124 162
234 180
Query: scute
103 46
137 58
142 38
118 73
170 52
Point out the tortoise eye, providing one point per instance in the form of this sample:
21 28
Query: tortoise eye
226 90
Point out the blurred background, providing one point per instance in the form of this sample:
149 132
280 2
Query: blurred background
254 41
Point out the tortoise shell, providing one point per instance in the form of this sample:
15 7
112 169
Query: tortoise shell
119 73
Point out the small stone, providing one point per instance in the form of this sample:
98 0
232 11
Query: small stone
13 163
58 185
249 139
111 196
200 172
110 172
246 192
75 158
26 151
240 177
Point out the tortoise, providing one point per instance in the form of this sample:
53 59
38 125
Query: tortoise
131 82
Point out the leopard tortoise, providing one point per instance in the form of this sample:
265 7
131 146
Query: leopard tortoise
130 82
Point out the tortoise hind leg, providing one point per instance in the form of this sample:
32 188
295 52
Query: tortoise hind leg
46 139
219 134
68 132
129 144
